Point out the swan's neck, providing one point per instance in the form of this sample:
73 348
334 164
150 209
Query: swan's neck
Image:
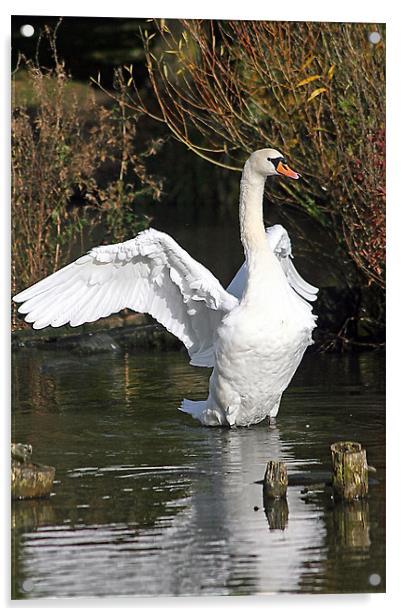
252 231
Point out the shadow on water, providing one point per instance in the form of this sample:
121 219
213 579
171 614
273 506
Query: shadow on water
147 502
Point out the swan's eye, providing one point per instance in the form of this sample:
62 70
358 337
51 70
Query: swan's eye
276 161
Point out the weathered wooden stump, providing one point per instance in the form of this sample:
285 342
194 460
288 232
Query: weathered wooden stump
29 480
275 480
350 471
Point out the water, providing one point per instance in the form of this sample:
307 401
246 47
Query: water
148 502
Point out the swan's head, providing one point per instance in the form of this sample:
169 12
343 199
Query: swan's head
270 162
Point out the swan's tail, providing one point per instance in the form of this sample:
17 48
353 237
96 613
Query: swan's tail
195 408
199 409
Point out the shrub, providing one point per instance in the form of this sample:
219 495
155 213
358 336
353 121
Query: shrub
76 170
314 90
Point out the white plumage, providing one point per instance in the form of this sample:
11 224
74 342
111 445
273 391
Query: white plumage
253 334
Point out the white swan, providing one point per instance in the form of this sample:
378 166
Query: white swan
253 334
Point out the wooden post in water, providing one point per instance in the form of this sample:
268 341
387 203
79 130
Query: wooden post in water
29 480
275 480
350 471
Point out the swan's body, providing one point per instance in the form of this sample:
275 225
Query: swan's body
253 334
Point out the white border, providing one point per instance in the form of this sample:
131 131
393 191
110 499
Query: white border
292 10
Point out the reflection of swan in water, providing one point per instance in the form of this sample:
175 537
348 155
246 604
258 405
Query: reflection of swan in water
206 538
221 541
253 334
210 542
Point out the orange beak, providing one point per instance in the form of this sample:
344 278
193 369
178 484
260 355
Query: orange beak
284 169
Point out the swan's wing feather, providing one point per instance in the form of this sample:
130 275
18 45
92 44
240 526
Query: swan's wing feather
150 273
303 288
279 242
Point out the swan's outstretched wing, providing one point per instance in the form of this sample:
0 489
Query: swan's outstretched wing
150 273
279 241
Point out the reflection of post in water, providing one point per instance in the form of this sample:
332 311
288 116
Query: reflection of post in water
274 495
351 524
276 511
27 515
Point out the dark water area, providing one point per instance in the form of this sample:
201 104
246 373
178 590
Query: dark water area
148 502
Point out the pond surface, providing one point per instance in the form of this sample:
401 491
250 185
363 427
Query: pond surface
147 502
